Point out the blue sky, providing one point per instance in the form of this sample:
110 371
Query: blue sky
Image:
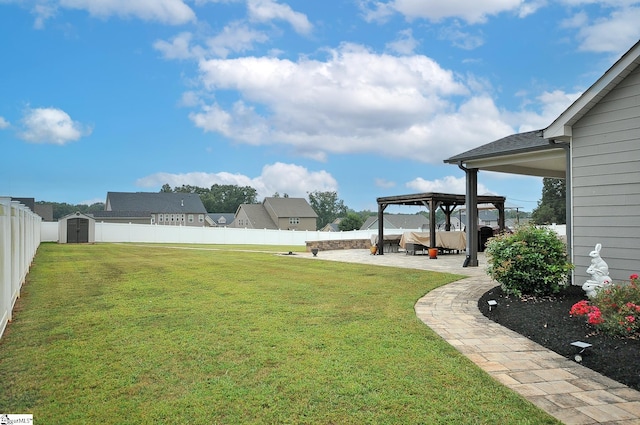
363 97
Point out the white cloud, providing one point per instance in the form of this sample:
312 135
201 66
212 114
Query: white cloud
578 20
447 184
43 11
354 101
269 10
437 10
541 111
294 180
178 48
4 123
614 34
384 183
235 37
51 125
405 44
460 38
173 12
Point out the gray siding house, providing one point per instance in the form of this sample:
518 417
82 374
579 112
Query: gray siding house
161 208
277 213
595 145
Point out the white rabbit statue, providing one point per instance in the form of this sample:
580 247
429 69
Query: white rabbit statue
599 271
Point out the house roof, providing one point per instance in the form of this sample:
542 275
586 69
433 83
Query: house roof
542 153
258 216
156 202
228 218
121 214
290 207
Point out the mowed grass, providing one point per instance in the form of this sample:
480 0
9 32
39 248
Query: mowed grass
115 334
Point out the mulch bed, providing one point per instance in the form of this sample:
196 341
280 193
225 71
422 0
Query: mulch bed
546 321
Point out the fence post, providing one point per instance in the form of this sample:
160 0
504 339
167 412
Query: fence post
5 262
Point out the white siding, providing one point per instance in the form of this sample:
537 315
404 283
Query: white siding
606 182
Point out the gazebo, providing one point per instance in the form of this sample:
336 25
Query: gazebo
447 202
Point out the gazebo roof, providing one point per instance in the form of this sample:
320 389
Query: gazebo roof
447 199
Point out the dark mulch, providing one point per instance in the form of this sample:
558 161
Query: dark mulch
546 321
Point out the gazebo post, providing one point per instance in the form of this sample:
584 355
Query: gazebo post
381 208
471 200
432 223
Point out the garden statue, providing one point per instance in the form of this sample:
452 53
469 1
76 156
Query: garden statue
599 271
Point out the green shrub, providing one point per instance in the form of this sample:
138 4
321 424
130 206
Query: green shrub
530 261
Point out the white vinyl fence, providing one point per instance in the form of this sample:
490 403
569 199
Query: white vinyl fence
19 241
150 233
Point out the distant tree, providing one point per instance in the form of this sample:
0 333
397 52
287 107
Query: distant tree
61 209
166 188
327 206
552 208
277 195
227 198
353 221
219 198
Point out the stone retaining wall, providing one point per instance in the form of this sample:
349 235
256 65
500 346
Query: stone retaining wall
339 244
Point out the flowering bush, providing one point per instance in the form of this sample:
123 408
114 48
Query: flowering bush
615 309
530 261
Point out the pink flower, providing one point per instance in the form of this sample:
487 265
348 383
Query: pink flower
580 308
633 276
595 316
630 319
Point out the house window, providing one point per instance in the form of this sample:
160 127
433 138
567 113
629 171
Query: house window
201 218
294 220
160 217
166 218
153 219
190 218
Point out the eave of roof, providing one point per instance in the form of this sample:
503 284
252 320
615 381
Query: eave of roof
525 153
530 141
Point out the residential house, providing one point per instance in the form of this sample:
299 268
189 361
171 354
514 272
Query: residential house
332 227
45 211
398 221
277 213
221 219
161 208
595 145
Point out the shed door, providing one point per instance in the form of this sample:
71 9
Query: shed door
77 230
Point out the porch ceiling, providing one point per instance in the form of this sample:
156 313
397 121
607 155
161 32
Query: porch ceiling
547 163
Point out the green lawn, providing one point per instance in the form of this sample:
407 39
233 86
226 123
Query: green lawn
116 334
